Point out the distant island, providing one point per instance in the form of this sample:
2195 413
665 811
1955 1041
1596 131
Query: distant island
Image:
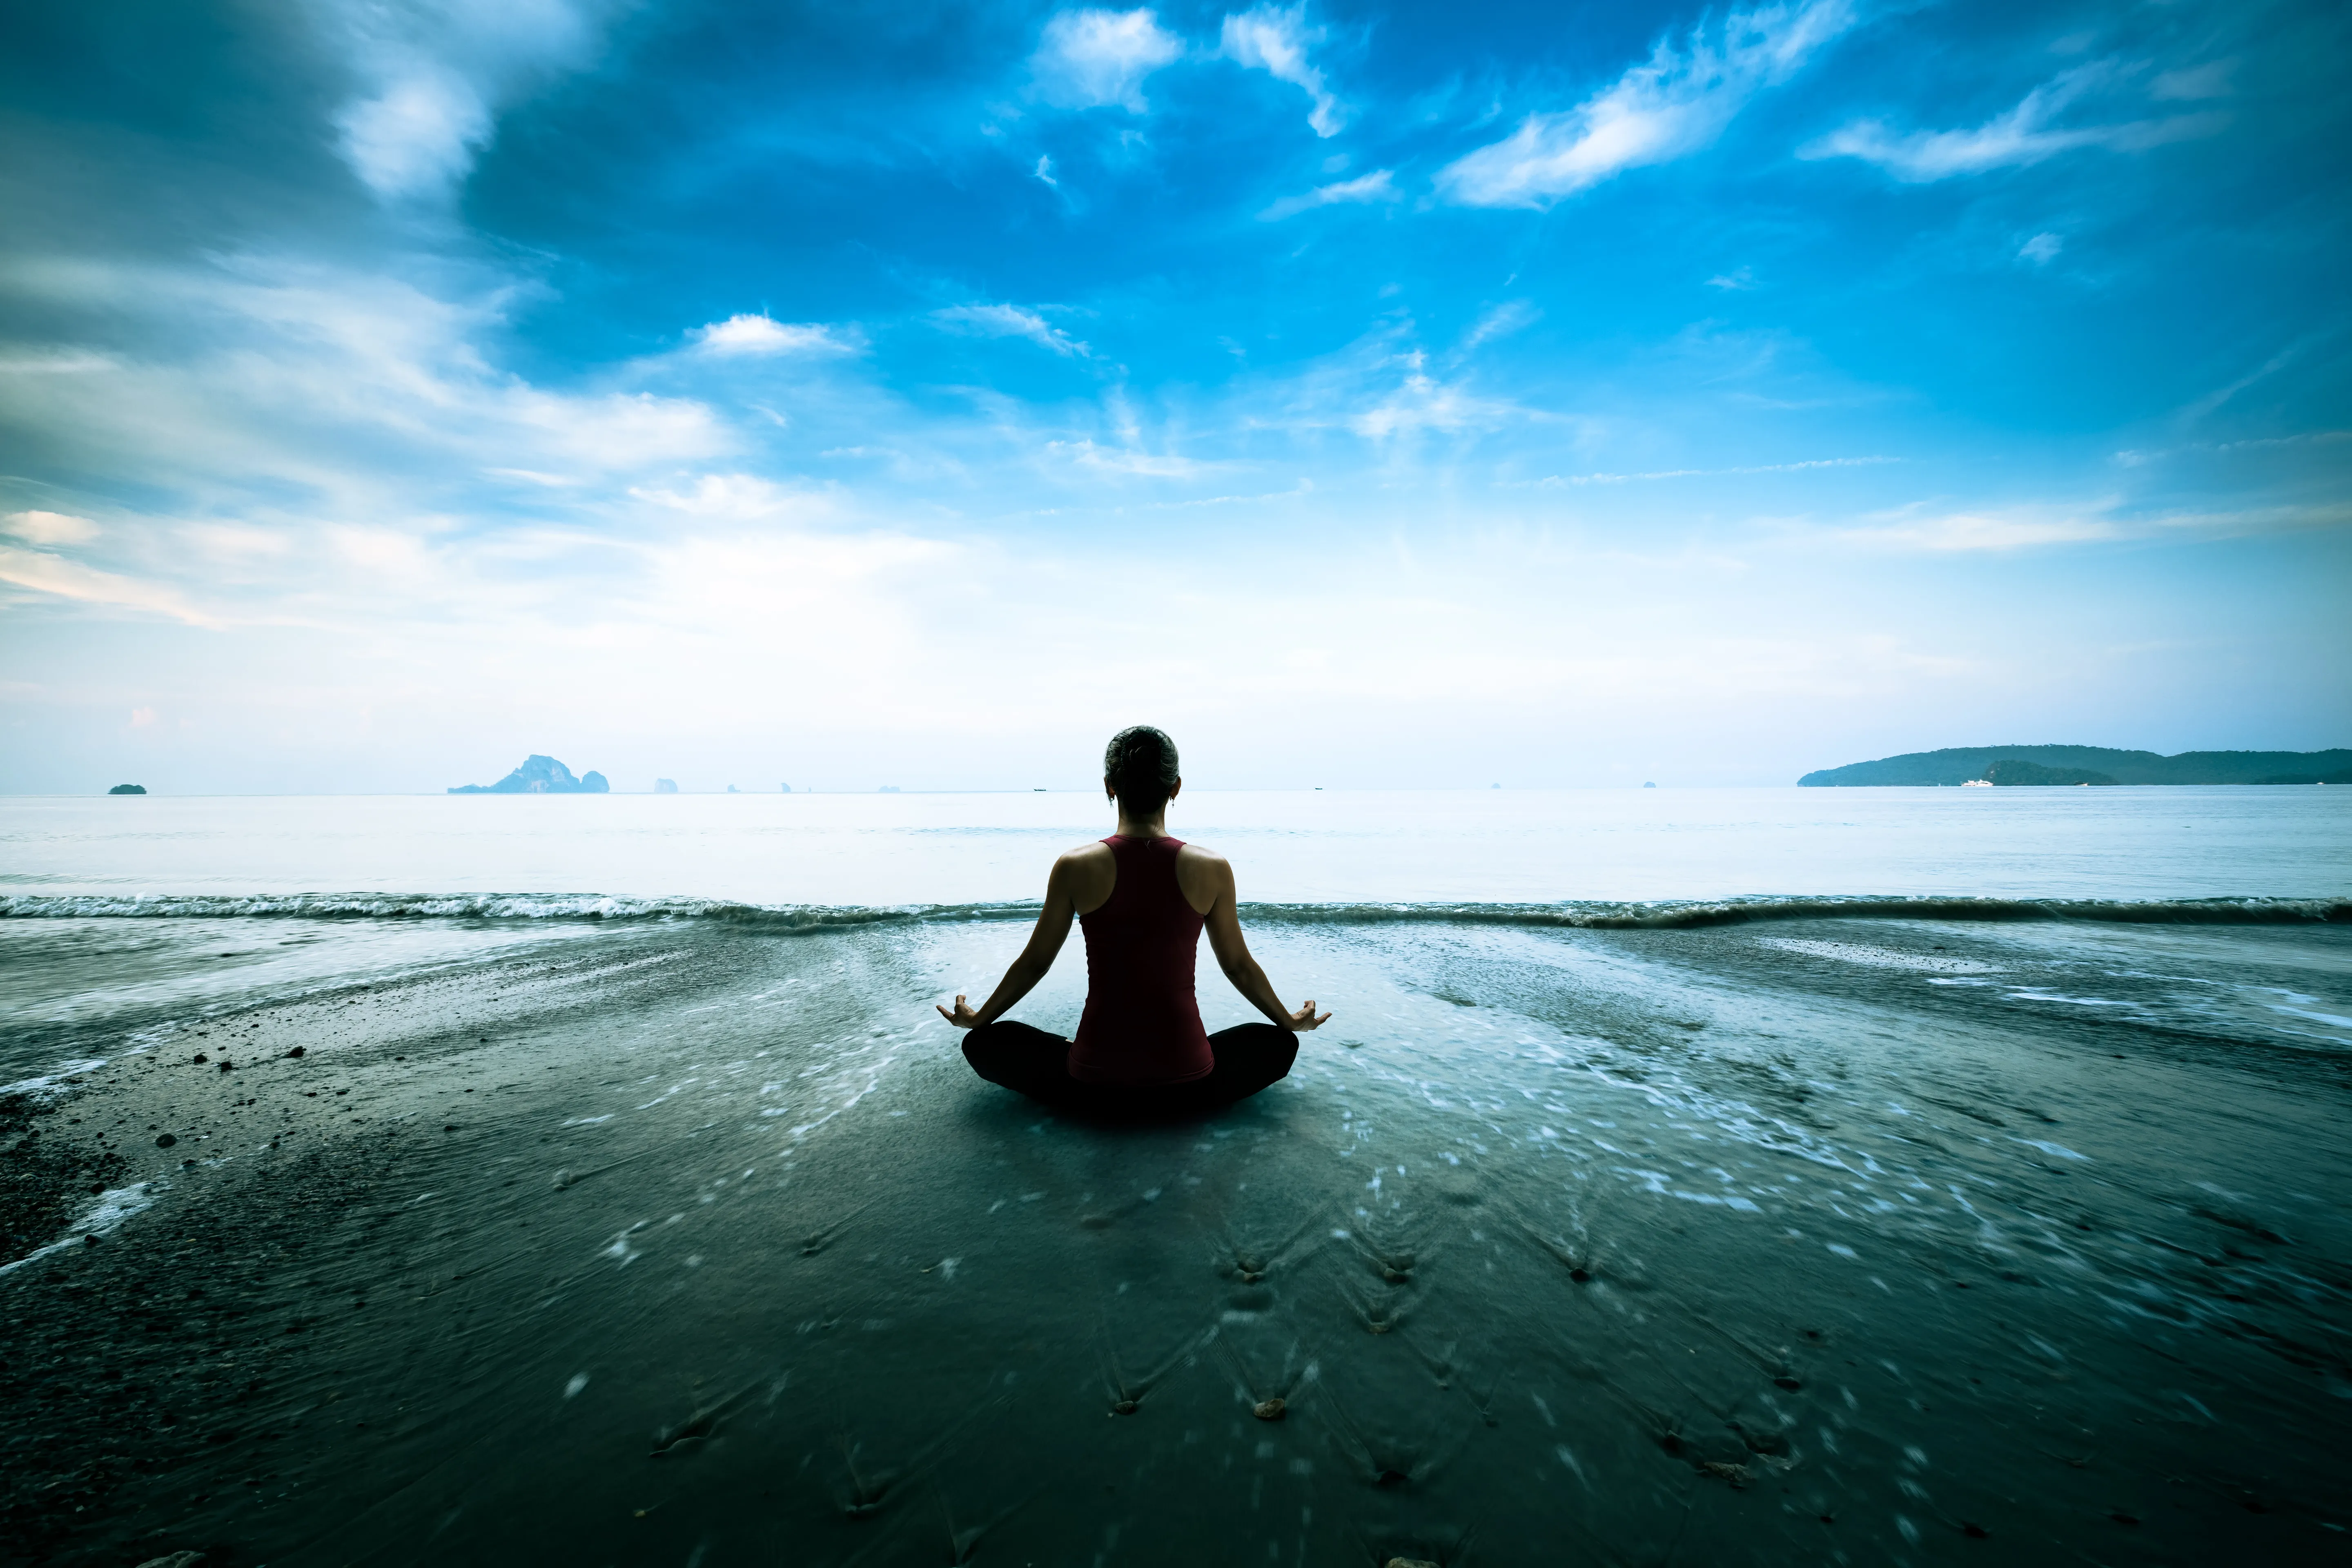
540 775
2089 765
127 789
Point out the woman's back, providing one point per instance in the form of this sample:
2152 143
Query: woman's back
1142 1019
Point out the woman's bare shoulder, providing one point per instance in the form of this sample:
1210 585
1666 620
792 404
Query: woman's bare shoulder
1198 855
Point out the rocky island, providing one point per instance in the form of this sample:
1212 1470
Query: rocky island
541 775
2089 765
127 789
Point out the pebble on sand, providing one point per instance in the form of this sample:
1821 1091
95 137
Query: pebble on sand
1269 1409
166 1140
295 1051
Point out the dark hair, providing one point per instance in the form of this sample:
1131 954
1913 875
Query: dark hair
1141 765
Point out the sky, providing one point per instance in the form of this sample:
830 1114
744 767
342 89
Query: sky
1370 395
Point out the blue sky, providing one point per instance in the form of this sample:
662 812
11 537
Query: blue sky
1368 394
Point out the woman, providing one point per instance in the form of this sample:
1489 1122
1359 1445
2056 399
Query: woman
1143 898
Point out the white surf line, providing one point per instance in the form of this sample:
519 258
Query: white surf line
1877 957
113 1207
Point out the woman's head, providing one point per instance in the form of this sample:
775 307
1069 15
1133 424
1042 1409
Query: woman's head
1139 768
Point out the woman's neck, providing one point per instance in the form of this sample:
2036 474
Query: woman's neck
1152 826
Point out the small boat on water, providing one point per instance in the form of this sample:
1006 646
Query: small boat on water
1976 783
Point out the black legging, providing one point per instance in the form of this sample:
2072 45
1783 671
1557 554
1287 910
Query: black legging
1023 1057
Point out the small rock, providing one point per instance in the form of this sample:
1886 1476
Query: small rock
1269 1409
200 1060
89 1241
166 1140
227 1064
295 1051
562 1179
449 1127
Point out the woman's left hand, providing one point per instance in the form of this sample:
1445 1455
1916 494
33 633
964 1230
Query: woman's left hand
1304 1018
963 1017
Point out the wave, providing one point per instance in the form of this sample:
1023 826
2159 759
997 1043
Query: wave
1666 914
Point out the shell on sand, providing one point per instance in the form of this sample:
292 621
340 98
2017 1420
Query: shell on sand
1269 1409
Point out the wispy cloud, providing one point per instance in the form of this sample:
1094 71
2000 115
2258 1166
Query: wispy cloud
2007 529
2042 249
1558 480
1009 321
56 575
739 336
1095 60
1123 462
49 528
1673 104
1377 187
1422 403
1276 42
432 75
2211 79
2025 134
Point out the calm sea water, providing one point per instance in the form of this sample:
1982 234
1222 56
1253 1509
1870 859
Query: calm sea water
1502 846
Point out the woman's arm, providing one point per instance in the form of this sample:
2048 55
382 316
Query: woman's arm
1224 923
1053 930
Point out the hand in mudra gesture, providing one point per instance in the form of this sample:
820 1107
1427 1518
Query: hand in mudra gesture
1304 1019
963 1017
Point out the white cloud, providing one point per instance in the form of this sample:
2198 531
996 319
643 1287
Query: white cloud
1092 59
1044 171
1421 402
49 528
1675 103
417 135
431 75
2023 135
261 376
2042 249
1009 321
743 335
1276 42
1377 187
1738 278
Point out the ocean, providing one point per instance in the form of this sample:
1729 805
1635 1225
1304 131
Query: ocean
1761 1175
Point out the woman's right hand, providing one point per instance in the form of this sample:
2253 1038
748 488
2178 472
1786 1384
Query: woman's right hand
963 1017
1304 1018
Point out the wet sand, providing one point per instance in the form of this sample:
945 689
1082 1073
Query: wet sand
1836 1241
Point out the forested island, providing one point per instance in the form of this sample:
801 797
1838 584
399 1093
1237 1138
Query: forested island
2089 765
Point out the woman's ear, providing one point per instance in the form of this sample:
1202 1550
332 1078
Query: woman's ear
1175 789
1110 790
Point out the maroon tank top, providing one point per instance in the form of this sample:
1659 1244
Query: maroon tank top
1142 1022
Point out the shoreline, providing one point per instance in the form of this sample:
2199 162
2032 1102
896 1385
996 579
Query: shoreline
605 1304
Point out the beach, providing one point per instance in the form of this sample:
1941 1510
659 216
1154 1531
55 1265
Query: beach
1925 1212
